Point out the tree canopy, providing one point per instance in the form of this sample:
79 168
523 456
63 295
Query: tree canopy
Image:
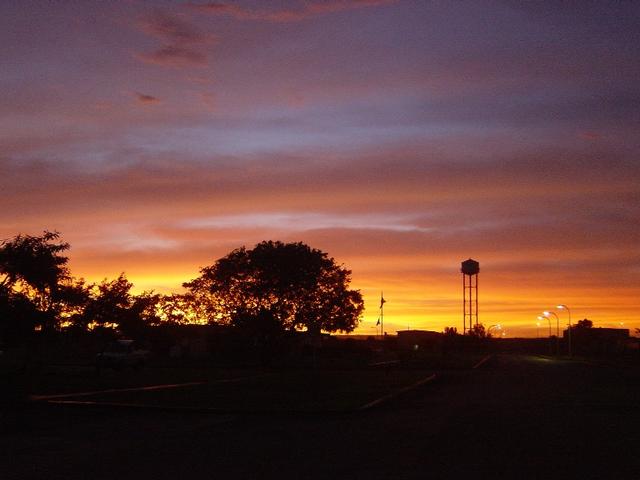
293 284
478 331
34 265
37 292
34 278
584 323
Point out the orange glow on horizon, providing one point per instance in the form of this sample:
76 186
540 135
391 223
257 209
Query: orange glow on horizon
435 302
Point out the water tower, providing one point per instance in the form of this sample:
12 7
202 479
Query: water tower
470 269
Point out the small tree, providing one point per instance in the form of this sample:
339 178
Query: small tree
297 286
585 323
450 331
114 306
477 331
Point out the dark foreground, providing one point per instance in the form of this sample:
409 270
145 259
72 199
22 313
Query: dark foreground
514 417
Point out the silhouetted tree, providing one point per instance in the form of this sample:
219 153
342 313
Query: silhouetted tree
183 309
450 331
33 269
293 284
110 300
113 306
142 314
477 331
34 264
585 323
18 316
69 301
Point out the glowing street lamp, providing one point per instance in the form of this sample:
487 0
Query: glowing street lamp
548 320
564 307
493 326
546 314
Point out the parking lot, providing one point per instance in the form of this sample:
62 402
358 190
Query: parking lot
225 390
514 416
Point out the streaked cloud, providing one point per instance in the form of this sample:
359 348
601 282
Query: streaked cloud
174 56
183 44
297 221
304 10
146 99
172 28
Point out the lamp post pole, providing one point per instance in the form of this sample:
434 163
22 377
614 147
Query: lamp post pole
546 314
549 321
564 307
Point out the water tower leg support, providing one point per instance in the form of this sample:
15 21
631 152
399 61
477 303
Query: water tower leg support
464 304
476 275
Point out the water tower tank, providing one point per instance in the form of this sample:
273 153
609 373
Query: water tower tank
470 267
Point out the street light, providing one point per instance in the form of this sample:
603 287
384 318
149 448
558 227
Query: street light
493 326
548 320
564 307
546 314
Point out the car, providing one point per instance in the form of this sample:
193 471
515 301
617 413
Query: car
122 353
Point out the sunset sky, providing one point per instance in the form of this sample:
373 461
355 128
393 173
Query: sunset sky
401 137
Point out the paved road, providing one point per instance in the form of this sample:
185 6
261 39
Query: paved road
516 417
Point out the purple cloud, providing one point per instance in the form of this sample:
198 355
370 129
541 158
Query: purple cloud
306 11
146 99
183 43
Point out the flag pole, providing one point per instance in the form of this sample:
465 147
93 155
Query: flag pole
381 314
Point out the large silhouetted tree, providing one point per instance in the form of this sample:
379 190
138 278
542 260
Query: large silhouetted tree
33 269
34 265
18 316
297 286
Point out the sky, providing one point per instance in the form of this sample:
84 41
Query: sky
400 137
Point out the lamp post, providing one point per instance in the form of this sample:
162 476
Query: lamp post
546 314
564 307
548 320
493 326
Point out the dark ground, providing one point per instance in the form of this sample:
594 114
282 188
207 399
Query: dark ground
515 417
